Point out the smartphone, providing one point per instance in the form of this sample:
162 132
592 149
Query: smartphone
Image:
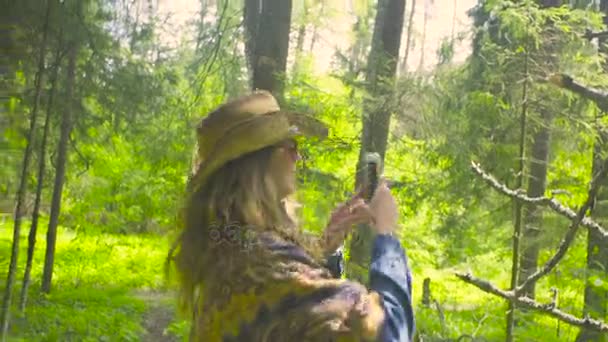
373 163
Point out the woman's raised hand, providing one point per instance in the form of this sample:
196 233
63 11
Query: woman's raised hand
384 210
382 214
344 217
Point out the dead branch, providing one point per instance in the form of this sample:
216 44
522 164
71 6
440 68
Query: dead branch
552 203
590 34
571 234
548 309
566 82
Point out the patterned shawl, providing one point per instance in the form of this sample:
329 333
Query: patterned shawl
270 290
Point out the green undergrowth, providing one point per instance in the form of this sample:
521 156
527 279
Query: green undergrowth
97 288
105 286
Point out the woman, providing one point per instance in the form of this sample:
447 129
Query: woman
247 273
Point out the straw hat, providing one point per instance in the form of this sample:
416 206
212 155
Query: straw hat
244 125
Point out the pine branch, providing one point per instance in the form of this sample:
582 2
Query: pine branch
598 96
547 309
552 203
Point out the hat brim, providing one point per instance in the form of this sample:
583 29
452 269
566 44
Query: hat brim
255 134
305 125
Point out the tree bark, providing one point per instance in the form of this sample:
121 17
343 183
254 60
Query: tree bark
597 245
597 253
454 21
39 186
270 43
251 19
533 218
66 128
382 65
517 204
408 41
537 183
314 36
300 38
39 81
423 39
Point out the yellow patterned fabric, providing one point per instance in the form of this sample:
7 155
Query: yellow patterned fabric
271 290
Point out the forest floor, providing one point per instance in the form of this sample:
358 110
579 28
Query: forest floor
109 287
158 317
106 287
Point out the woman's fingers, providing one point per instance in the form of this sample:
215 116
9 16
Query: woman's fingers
385 209
358 195
359 213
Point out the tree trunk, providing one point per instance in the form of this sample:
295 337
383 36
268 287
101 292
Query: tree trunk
41 169
597 246
537 182
251 18
516 204
66 128
39 81
269 33
300 39
314 36
597 252
423 38
382 65
533 218
408 41
454 21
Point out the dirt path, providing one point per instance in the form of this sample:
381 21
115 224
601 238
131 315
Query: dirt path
158 317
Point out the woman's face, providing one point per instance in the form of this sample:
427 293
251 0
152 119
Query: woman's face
283 166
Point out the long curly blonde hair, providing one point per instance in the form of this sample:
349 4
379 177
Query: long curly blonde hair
241 194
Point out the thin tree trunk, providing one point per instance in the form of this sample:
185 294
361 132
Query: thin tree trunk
597 251
533 217
41 169
517 204
597 246
314 36
66 128
408 42
300 39
8 290
382 66
454 21
537 181
423 39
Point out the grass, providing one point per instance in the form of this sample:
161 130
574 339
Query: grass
99 280
95 284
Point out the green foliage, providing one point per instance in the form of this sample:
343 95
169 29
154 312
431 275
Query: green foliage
82 314
95 284
138 101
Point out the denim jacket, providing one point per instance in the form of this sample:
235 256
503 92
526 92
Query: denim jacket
391 277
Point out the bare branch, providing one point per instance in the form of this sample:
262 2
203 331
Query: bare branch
598 96
590 34
571 234
547 309
552 203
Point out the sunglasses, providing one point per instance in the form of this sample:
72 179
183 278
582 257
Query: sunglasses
291 147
